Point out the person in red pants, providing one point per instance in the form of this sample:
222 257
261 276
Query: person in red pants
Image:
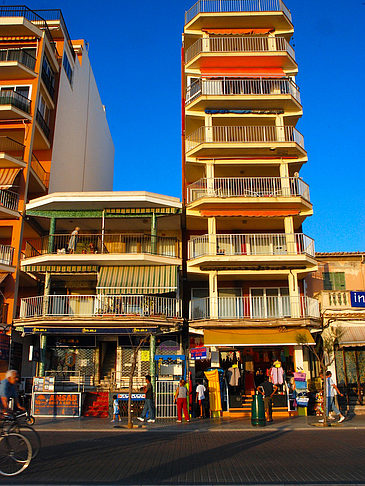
181 401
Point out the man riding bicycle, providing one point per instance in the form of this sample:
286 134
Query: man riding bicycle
9 390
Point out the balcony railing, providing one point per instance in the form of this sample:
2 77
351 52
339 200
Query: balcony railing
251 244
229 187
39 170
270 307
9 199
6 254
244 134
227 6
56 14
335 299
43 124
250 43
103 244
12 147
19 55
11 97
99 306
49 82
242 87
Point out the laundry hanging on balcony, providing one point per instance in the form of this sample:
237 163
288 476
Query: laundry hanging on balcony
144 279
7 177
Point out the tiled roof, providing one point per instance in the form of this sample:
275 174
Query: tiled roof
339 253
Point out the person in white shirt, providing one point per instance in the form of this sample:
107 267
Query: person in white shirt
200 398
332 391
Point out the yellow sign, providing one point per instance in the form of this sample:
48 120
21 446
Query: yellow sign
145 355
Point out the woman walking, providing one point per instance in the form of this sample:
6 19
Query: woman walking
181 401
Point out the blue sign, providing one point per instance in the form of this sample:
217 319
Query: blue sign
198 353
357 299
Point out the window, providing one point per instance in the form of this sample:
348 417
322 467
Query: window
334 281
48 76
43 109
67 67
22 90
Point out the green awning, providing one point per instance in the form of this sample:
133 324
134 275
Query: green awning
151 279
60 268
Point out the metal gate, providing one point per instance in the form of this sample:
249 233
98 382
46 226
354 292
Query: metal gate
165 392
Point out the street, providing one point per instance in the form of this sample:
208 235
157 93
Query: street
185 457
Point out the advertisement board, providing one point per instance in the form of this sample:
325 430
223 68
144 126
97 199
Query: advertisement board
47 404
357 299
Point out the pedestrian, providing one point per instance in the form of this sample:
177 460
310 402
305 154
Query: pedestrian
181 402
200 398
9 390
148 403
267 389
72 242
116 417
332 391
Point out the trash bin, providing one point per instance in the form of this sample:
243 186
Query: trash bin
258 411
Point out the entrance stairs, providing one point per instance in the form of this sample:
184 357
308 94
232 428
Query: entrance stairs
245 410
96 405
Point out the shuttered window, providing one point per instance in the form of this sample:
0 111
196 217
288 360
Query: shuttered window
334 281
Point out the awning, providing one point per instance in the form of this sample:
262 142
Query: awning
256 337
241 72
3 276
238 31
144 279
60 268
352 335
7 177
250 214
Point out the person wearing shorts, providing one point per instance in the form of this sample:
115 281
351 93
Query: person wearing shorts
267 389
200 398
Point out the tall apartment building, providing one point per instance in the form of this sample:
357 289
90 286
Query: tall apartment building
54 134
245 201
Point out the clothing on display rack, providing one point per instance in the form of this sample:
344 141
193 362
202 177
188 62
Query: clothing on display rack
277 375
233 375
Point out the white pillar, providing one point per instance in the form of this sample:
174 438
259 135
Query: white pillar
294 294
289 235
285 181
212 236
213 294
208 121
280 131
209 171
118 367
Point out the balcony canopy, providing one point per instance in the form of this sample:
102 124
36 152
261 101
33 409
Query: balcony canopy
353 333
255 337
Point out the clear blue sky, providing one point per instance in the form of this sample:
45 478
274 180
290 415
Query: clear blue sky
135 54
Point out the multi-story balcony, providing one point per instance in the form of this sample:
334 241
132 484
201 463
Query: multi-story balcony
6 258
225 141
43 124
268 51
268 307
11 153
102 249
40 174
99 307
16 64
336 300
207 193
252 250
237 13
244 93
13 105
9 201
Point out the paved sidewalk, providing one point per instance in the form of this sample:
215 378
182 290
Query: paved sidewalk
88 424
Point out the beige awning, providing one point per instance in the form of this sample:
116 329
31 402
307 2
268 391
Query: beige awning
353 335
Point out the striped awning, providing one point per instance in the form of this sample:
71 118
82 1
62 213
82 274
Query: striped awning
7 177
145 279
61 268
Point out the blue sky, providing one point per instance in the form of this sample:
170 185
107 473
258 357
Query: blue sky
135 54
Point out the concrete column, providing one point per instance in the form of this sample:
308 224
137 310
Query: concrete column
271 42
208 121
153 234
152 361
212 236
42 362
205 42
47 290
118 366
213 294
294 295
289 235
52 231
209 170
280 131
285 181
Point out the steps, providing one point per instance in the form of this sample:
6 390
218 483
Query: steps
96 405
245 410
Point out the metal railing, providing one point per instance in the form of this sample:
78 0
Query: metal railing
251 244
226 187
227 6
9 199
250 43
56 14
265 307
102 244
11 97
242 87
39 170
49 82
243 134
99 305
43 124
19 55
6 254
12 147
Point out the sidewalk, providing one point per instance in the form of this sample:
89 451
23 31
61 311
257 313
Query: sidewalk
88 424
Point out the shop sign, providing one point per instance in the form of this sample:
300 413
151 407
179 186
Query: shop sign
199 353
357 299
135 396
145 354
90 330
57 404
71 341
4 347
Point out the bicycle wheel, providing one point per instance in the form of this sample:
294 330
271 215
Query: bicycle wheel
30 420
15 454
31 434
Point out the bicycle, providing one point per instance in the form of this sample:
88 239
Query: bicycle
16 422
15 453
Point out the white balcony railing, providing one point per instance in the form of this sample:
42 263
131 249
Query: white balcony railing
6 254
242 87
251 244
244 134
226 187
227 6
335 299
251 43
254 307
99 306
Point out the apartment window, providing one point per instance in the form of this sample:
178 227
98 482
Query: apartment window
334 281
43 109
67 67
22 90
48 76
